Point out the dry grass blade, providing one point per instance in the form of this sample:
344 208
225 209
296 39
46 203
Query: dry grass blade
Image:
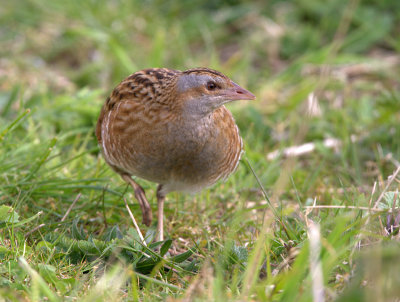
135 224
391 179
315 261
349 207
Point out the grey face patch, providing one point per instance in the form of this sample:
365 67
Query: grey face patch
200 105
188 81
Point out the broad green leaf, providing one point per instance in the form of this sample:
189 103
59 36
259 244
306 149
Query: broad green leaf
7 214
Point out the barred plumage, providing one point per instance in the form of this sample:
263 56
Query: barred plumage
171 127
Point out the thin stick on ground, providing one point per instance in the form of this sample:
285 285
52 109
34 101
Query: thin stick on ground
134 223
35 229
392 178
70 208
350 208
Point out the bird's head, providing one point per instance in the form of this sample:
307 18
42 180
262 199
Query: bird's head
201 90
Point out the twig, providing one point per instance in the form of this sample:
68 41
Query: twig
35 229
71 206
392 177
349 207
134 223
69 209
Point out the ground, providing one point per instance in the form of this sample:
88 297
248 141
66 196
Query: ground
311 212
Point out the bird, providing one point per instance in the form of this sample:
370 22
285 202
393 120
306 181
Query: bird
171 127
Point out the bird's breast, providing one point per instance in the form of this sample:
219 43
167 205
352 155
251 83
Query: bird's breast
181 154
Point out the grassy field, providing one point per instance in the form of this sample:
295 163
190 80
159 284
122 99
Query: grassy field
310 214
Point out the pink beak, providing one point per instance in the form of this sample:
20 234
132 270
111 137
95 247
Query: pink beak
238 93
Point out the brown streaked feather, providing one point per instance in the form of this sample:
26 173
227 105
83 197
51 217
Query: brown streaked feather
172 128
204 70
141 133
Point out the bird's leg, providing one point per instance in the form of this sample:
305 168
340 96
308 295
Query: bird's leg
160 213
141 197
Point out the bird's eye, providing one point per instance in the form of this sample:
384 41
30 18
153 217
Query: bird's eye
211 86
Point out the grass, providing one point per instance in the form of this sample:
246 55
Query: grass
284 227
